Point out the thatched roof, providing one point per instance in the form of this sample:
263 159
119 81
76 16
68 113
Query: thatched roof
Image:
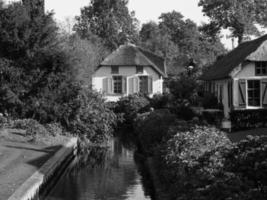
255 50
131 55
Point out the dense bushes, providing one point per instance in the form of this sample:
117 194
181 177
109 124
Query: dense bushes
92 118
130 106
244 119
203 164
210 101
152 129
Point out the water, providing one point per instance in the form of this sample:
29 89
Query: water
114 174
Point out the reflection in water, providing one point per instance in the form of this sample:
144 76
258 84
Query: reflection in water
115 178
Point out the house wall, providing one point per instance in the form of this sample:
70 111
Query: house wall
129 72
247 72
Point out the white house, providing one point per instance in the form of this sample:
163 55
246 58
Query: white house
239 79
128 70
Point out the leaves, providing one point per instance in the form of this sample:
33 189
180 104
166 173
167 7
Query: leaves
108 19
240 16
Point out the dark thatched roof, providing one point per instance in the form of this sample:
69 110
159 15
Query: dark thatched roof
255 50
131 55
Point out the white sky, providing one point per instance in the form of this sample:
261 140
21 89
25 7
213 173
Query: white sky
146 10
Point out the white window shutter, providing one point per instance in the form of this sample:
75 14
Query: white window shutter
124 85
150 85
105 86
110 85
135 84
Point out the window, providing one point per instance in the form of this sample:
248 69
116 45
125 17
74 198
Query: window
117 84
254 93
143 84
139 69
261 68
114 69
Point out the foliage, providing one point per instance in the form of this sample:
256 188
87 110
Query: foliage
243 175
161 101
183 87
54 129
3 121
109 20
92 118
130 106
152 129
210 101
189 160
179 40
182 109
23 123
240 17
35 129
84 56
247 119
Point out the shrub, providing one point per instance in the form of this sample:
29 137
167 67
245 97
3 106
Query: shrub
3 121
130 106
244 173
93 119
24 123
161 101
246 119
183 87
54 129
190 159
153 128
35 129
182 109
210 101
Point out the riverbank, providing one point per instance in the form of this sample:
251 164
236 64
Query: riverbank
21 157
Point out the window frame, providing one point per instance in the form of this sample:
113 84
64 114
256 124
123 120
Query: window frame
114 69
147 82
261 66
117 89
251 89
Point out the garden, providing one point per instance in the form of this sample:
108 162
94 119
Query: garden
191 157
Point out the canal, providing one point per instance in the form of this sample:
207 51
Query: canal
116 173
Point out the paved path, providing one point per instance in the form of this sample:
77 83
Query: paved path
19 159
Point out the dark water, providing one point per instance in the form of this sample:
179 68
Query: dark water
113 174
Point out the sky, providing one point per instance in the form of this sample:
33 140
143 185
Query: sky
146 10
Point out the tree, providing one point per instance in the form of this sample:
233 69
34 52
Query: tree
178 40
240 16
108 19
85 56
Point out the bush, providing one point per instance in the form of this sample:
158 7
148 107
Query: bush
153 128
35 129
24 123
130 106
161 101
190 159
3 121
210 101
244 173
54 129
182 109
93 119
247 119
